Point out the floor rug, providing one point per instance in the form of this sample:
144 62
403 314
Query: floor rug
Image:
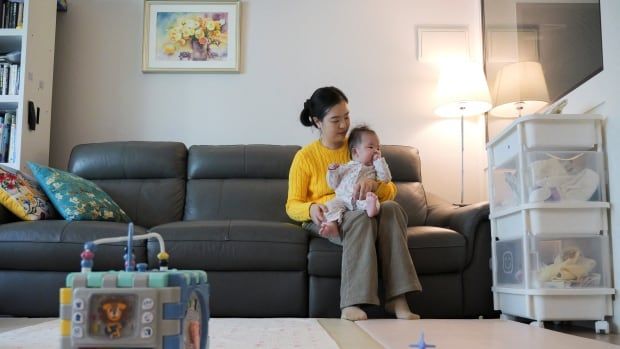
224 333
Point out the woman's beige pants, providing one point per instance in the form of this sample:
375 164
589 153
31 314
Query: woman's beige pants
369 242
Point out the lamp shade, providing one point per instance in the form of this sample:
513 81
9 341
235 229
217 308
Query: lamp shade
462 90
520 88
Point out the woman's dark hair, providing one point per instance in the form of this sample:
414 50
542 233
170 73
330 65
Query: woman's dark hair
319 104
355 136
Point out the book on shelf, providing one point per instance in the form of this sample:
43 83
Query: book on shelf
13 74
20 16
6 135
1 135
4 78
13 139
9 79
11 14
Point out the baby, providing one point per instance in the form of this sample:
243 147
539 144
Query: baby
366 163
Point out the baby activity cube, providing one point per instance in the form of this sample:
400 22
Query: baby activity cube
134 308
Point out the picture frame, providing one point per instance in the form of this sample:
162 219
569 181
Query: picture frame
191 36
440 43
509 45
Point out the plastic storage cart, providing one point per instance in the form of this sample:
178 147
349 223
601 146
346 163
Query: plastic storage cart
550 250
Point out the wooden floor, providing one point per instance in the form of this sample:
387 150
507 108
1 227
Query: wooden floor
348 335
496 333
580 331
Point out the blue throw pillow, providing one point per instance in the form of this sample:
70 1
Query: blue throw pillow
76 198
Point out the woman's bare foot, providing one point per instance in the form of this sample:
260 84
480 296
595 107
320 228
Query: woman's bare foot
329 229
372 204
400 308
353 314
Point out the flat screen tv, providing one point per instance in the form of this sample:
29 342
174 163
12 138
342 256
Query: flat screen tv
563 37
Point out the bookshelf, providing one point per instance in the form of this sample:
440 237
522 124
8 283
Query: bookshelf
34 39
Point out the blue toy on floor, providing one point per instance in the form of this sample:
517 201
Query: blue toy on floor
421 344
162 308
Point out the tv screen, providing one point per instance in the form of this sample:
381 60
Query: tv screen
561 37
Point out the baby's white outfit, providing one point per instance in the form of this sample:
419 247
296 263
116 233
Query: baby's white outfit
344 178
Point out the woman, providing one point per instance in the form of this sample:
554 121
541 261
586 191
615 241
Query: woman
363 239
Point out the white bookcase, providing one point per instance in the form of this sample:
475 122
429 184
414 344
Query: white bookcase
551 248
35 39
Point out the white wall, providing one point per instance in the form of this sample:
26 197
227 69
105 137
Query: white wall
289 48
604 88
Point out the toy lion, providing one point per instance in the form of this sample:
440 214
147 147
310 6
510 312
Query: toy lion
114 314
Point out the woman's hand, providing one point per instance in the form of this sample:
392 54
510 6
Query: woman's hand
364 186
317 213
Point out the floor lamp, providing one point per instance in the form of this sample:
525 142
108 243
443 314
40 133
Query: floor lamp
462 91
519 89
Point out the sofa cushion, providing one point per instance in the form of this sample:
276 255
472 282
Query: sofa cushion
405 167
76 198
55 245
433 250
146 179
404 162
23 196
436 250
412 198
240 161
235 245
238 182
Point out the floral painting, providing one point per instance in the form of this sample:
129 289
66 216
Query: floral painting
191 36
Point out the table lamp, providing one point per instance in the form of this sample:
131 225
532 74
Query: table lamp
462 91
519 89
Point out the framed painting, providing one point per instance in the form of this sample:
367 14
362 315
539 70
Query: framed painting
191 36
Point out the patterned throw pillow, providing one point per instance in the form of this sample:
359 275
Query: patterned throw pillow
23 196
76 198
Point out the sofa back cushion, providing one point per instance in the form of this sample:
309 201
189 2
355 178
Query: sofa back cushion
238 182
405 167
146 179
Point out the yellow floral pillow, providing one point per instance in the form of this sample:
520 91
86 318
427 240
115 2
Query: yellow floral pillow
23 196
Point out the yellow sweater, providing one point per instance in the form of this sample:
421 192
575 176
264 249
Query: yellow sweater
307 179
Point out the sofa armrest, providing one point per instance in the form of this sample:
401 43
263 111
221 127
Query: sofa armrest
465 220
472 221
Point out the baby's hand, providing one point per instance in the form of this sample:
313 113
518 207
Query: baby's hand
377 155
333 166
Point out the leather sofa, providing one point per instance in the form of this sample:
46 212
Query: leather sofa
221 209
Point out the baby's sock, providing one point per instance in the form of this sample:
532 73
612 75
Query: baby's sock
400 308
372 204
353 314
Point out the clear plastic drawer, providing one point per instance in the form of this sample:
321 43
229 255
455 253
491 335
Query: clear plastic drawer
564 176
506 184
506 148
559 134
552 220
579 262
509 263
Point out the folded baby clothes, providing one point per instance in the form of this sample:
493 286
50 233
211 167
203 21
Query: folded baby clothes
553 182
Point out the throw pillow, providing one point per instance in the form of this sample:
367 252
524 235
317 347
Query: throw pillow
23 196
76 198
